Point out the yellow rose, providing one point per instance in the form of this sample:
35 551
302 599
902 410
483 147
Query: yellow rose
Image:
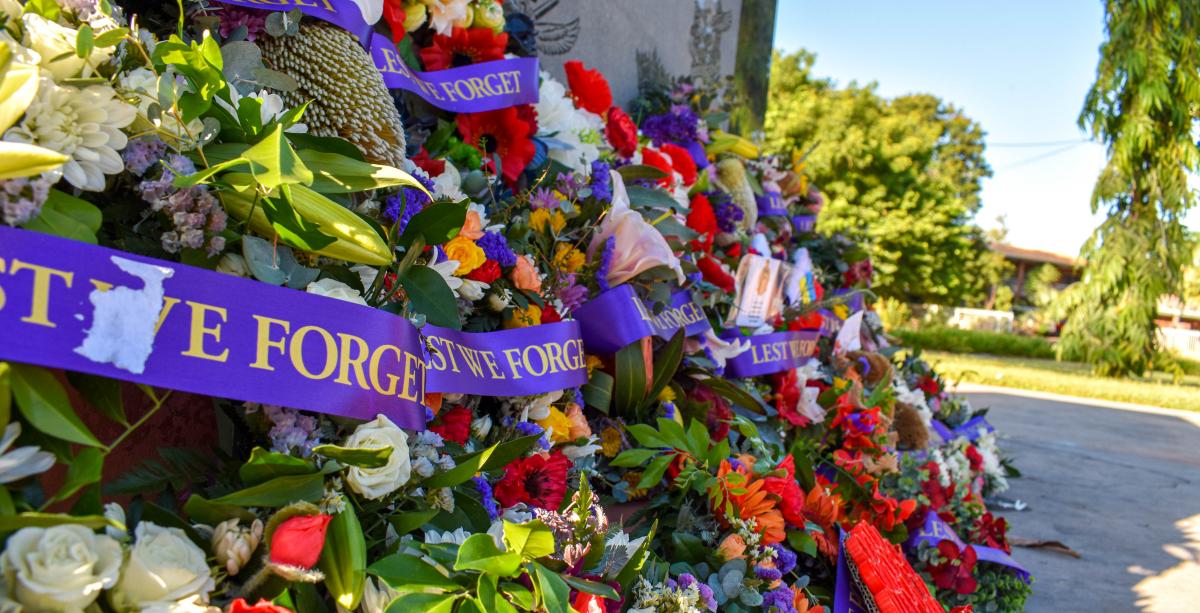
466 252
568 258
524 318
539 219
558 425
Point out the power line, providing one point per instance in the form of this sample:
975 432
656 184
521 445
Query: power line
1039 157
1051 143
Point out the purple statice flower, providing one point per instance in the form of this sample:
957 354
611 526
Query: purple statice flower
402 206
196 215
21 199
679 126
528 428
544 198
291 429
579 396
568 184
708 353
601 181
606 258
710 600
727 213
768 574
779 600
231 17
495 247
571 294
142 153
487 497
785 559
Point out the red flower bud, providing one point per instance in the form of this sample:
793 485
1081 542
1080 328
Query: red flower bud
298 540
262 606
621 132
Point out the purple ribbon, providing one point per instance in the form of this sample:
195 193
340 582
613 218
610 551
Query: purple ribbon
519 362
770 203
218 335
486 86
804 223
946 433
771 353
830 322
974 428
680 312
845 594
612 320
935 530
855 302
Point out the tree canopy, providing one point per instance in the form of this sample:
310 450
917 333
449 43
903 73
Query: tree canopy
902 176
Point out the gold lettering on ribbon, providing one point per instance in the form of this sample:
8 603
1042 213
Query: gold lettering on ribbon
43 277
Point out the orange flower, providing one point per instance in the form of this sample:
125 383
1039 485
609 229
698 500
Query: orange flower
472 227
579 424
732 548
433 400
753 503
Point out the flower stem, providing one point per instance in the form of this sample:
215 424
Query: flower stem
159 401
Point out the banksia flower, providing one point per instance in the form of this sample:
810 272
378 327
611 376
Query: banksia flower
348 96
731 178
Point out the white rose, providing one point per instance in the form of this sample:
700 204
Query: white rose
332 288
164 570
375 483
61 568
53 41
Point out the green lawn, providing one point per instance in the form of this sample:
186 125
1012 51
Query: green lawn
1068 378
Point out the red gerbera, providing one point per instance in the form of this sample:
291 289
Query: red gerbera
702 219
505 132
682 161
550 314
956 572
791 497
621 132
652 157
589 88
538 480
454 425
464 46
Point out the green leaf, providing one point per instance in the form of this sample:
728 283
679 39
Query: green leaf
479 552
84 41
437 223
531 539
67 216
629 389
363 457
45 405
427 603
204 511
688 548
633 457
646 436
344 558
8 523
598 391
648 198
698 438
334 173
734 393
429 295
292 227
101 393
655 471
802 542
634 172
554 591
275 163
504 453
278 492
110 38
265 465
327 144
408 573
408 521
634 566
5 393
666 362
202 176
83 470
591 587
46 8
487 596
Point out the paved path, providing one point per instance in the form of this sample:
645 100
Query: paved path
1119 485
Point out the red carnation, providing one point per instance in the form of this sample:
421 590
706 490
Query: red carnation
550 314
262 606
621 132
298 540
713 273
650 157
975 458
956 572
791 497
486 273
682 161
464 46
428 164
454 425
393 14
505 132
702 219
538 480
589 88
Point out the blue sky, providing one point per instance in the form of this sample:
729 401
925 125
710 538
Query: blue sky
1020 68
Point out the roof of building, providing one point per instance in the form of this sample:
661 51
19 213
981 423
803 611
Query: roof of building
1013 252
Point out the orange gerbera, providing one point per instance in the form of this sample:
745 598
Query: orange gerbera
824 510
751 502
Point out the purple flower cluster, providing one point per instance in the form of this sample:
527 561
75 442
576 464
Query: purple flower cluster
495 247
402 206
785 559
196 214
610 246
727 213
142 153
686 581
528 428
679 126
569 184
570 293
292 430
767 573
544 198
781 600
487 497
22 199
601 181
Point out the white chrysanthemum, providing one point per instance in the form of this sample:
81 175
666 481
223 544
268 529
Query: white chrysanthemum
83 124
575 130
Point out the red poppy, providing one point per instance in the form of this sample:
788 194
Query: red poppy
434 167
652 157
550 314
454 425
682 161
589 88
262 606
621 132
702 219
464 46
298 540
956 572
486 273
991 531
791 497
505 132
808 321
539 480
713 273
787 397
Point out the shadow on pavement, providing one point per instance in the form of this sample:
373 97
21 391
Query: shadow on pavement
1120 487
